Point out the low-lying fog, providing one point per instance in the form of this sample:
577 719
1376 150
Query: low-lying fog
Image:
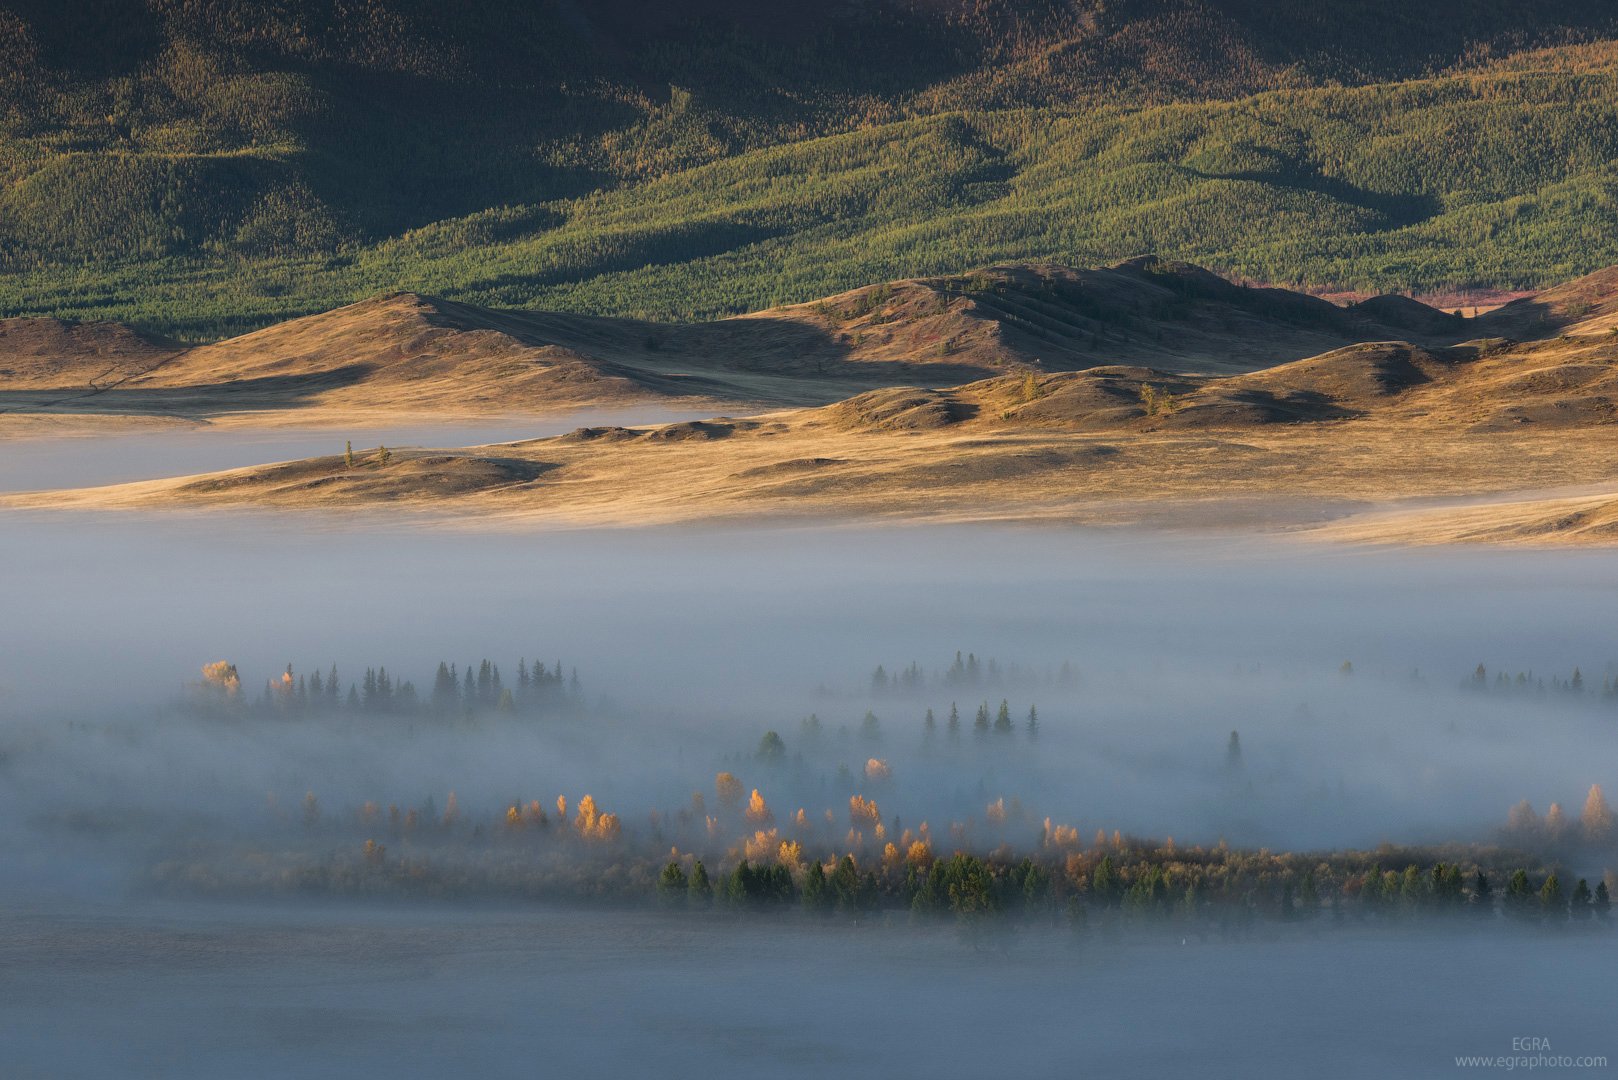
689 644
39 464
199 991
700 641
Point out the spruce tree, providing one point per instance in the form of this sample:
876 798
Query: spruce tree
954 723
700 890
845 884
1581 900
816 896
1002 719
1104 882
870 727
1033 723
1519 894
1551 900
672 884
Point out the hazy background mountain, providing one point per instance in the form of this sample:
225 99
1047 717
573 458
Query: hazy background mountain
199 167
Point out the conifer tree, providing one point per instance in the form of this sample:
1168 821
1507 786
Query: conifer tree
1104 882
1482 895
1519 894
1551 900
700 890
1002 719
816 896
1596 820
1032 725
671 884
1581 900
954 723
870 726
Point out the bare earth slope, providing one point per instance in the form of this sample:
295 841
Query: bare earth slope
406 354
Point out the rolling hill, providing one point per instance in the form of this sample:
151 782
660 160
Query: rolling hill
1352 429
404 353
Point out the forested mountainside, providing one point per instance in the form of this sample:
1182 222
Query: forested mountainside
200 167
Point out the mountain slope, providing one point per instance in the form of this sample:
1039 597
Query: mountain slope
208 167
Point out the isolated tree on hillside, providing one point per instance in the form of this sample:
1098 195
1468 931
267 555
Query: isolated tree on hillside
1233 751
1032 724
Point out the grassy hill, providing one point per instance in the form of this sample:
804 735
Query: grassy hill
403 353
1376 424
204 167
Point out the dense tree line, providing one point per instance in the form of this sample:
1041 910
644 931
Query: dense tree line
456 691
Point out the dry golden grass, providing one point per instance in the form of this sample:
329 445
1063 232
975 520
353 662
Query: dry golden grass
408 355
1359 429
